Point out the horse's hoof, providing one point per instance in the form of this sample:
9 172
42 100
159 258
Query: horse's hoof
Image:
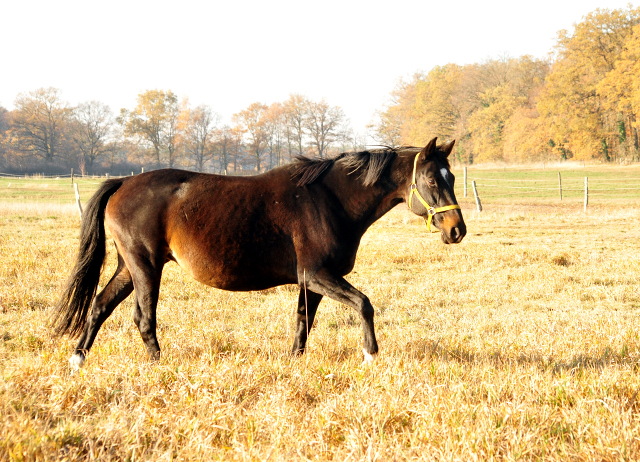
76 361
368 357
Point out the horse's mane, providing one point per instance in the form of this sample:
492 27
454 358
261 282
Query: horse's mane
369 165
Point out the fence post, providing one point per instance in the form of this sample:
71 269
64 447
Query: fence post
465 182
71 176
560 184
142 170
586 193
475 193
75 186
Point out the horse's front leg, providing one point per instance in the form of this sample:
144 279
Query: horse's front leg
337 288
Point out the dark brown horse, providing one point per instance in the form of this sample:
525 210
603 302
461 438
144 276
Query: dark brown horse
297 224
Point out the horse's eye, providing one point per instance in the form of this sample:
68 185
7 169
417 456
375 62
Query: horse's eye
431 182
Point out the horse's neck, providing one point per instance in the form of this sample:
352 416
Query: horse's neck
364 204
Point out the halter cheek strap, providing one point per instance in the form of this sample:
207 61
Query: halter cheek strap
430 210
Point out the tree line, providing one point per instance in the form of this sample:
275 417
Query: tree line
43 133
582 102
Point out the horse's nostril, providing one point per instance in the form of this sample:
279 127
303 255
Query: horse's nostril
455 232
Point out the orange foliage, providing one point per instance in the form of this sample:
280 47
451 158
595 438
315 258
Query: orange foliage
584 105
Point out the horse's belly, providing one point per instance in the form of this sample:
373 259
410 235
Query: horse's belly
230 272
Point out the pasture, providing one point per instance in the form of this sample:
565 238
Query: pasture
520 343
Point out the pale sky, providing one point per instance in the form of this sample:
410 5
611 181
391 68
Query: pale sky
229 54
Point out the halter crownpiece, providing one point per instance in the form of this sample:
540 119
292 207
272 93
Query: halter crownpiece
430 210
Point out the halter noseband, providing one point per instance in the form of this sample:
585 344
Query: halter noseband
430 210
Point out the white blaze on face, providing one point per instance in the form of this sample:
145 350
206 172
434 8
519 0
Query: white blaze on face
445 175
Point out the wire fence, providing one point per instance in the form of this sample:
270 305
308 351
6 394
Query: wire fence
548 187
52 182
42 176
596 187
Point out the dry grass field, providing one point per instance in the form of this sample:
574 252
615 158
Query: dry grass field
520 343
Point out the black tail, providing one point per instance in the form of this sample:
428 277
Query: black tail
72 308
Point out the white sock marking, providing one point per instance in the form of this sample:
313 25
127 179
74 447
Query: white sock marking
76 361
369 358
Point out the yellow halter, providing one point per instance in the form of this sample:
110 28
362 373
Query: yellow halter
430 210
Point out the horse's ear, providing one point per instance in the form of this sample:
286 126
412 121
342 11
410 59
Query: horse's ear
447 147
429 149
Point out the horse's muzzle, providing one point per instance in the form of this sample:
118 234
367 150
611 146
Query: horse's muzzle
453 228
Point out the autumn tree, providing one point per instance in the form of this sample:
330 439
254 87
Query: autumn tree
4 120
435 100
91 130
295 109
172 135
237 136
197 128
4 128
39 122
508 87
580 121
225 140
620 93
253 122
350 141
472 104
324 124
275 125
386 127
437 103
154 121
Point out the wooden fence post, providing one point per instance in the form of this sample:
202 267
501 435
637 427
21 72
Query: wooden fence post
475 193
142 170
465 182
75 186
560 184
586 193
71 176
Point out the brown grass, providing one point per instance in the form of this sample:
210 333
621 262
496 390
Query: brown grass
521 343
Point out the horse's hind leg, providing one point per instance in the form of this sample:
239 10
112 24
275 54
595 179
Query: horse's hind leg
307 307
118 288
146 281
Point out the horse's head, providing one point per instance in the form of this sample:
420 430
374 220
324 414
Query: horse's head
431 194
